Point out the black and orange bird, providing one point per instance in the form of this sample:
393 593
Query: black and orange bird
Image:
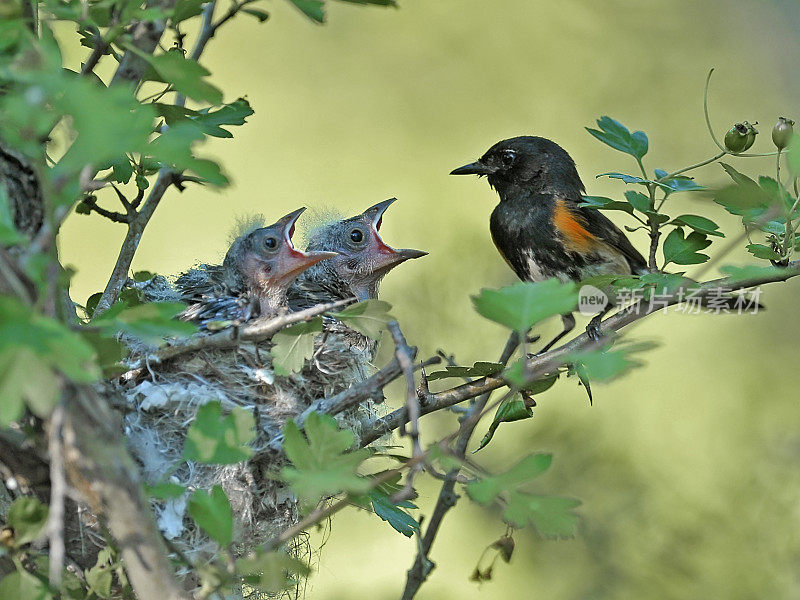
540 227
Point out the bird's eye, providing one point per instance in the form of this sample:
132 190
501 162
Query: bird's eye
271 243
507 157
357 236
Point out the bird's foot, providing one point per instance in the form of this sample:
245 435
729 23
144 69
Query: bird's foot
593 331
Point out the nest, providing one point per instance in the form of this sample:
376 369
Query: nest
159 410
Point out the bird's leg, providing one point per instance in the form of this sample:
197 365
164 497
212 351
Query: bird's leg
569 324
593 328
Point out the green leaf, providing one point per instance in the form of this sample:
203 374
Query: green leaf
685 251
9 235
208 121
261 15
479 369
63 350
174 148
18 388
605 364
322 464
122 169
485 491
220 440
524 304
27 516
374 2
99 578
313 9
165 490
615 134
185 74
186 9
746 273
699 224
25 586
763 251
551 516
151 322
391 512
512 409
271 572
604 203
293 346
516 375
738 178
638 201
368 317
213 514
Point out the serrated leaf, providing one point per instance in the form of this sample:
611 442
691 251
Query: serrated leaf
150 322
486 490
746 273
185 74
763 251
699 224
174 148
27 516
368 317
186 9
18 389
516 376
99 579
213 514
293 346
522 305
215 439
615 134
392 512
321 464
553 517
605 364
685 251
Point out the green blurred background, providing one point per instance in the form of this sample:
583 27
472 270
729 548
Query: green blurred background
689 468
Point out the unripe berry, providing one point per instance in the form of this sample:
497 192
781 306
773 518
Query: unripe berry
740 137
782 132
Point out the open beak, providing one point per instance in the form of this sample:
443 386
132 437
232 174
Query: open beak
385 257
291 261
476 168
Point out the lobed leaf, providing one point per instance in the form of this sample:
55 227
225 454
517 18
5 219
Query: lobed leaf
522 305
213 514
220 440
615 134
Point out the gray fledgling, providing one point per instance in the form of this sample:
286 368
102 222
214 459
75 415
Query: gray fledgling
253 279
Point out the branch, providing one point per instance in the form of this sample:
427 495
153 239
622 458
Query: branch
91 202
538 365
132 238
257 331
146 36
101 470
422 566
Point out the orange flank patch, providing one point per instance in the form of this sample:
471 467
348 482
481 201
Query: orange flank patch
574 234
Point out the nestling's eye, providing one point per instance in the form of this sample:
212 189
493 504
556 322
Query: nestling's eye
507 157
357 236
270 243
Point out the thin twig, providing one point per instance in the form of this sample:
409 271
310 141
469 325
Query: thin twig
423 565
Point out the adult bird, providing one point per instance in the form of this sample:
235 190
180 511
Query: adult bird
253 279
540 227
362 260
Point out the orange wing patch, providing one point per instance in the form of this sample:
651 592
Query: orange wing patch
574 234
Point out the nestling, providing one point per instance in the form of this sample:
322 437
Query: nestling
253 279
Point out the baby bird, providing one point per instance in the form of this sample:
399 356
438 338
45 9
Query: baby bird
361 261
253 279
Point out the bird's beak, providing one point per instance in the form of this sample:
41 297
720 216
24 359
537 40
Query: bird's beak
291 261
476 168
385 257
